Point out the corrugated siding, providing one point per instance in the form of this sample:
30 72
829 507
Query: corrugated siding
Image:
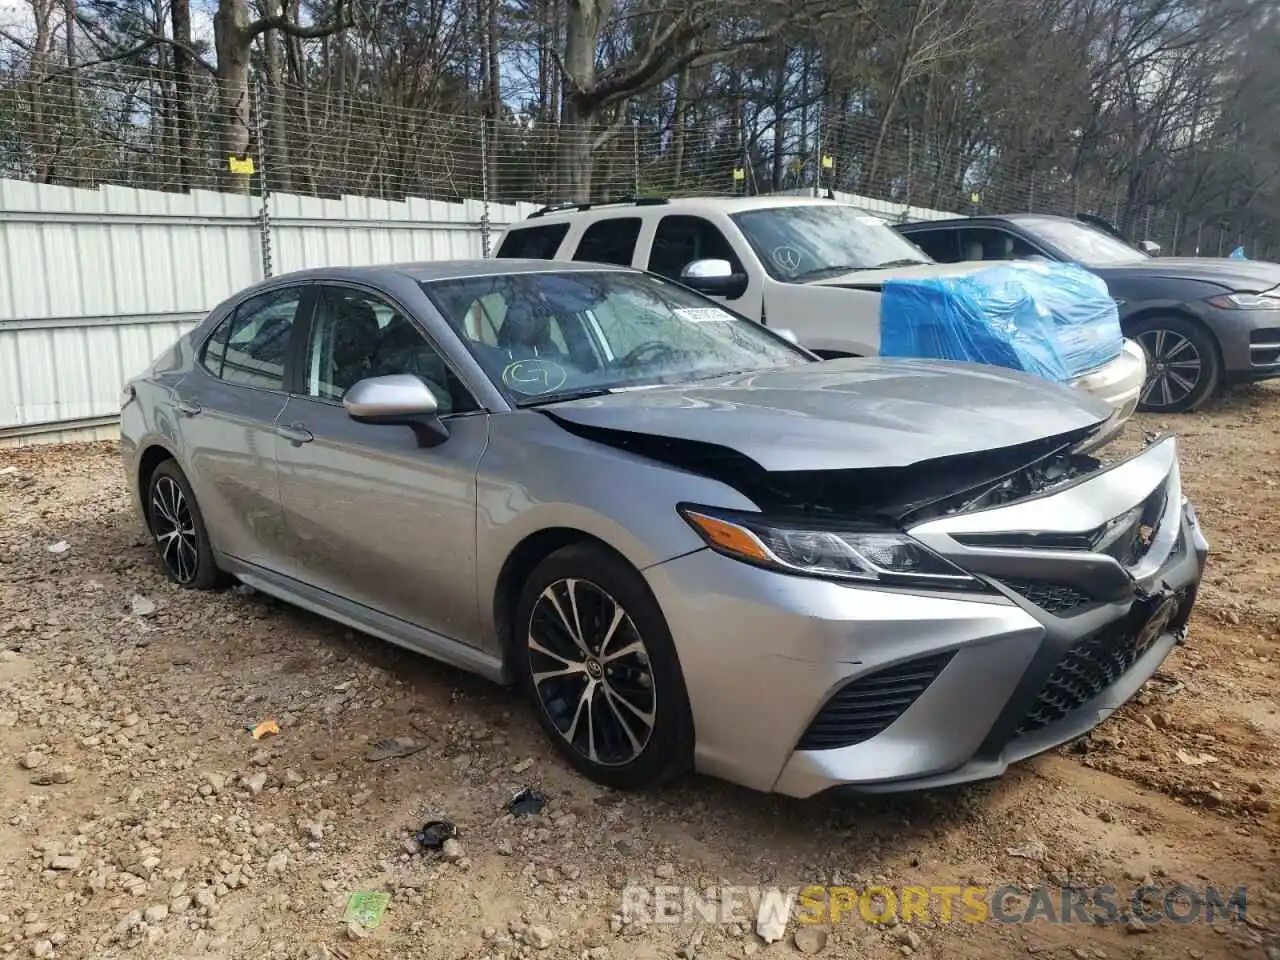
97 282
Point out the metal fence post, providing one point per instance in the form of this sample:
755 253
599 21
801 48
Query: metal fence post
264 212
484 185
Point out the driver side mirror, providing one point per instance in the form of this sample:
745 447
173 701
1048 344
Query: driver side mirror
1149 247
397 400
714 278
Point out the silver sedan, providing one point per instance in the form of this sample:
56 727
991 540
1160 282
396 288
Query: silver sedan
690 543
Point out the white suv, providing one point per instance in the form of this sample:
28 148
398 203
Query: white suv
825 289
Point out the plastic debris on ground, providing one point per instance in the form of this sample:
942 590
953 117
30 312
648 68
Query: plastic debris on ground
266 728
365 908
60 547
526 802
392 749
1055 320
434 833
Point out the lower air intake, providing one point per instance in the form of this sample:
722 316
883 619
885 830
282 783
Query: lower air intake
867 706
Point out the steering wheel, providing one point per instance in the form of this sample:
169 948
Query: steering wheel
649 352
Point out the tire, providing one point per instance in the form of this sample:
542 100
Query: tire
1177 349
187 557
649 679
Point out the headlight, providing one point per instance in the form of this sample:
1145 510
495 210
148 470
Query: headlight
1246 301
833 551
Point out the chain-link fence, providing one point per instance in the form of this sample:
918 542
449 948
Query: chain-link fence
146 130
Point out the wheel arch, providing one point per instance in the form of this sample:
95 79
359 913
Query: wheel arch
521 562
151 457
1156 312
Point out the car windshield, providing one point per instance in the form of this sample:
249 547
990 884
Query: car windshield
804 242
543 337
1083 243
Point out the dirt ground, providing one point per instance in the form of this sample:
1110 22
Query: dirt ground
139 817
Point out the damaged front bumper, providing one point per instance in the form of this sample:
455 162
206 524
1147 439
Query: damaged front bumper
801 685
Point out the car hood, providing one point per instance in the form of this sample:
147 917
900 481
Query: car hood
1248 276
874 279
848 414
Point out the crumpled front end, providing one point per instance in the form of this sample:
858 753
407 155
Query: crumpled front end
802 684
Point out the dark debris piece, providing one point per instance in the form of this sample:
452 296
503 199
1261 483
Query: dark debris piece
434 833
526 802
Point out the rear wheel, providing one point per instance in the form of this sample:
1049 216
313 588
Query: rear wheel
596 658
178 529
1184 368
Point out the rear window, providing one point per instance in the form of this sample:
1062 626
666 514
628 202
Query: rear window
533 243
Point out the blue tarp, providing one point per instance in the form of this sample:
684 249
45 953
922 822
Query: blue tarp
1053 319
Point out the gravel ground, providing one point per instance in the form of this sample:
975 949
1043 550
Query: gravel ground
139 817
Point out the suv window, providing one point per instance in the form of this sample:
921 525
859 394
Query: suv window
250 346
533 243
680 240
989 243
355 335
942 245
610 241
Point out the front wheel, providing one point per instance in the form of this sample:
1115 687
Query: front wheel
1184 367
594 654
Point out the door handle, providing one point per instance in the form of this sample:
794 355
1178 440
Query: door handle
296 434
188 408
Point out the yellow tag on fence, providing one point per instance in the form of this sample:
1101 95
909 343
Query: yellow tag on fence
828 163
739 174
240 164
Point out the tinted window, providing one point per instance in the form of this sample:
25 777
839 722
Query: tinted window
991 243
250 347
533 243
679 241
356 335
610 241
941 245
596 331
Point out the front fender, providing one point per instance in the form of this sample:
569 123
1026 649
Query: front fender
537 476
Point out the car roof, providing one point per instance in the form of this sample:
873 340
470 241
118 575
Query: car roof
703 205
427 271
988 219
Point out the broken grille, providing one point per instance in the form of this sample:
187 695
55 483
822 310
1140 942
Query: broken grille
1084 672
1056 598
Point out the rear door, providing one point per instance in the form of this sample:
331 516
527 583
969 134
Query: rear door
370 516
228 405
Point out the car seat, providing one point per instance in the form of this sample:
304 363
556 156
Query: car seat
356 340
526 332
403 349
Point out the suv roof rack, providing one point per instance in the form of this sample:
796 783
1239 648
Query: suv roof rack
628 201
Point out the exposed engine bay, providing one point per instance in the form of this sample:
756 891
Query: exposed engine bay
898 495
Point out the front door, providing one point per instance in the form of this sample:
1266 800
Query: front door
228 404
370 515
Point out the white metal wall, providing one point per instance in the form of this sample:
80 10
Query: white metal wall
96 282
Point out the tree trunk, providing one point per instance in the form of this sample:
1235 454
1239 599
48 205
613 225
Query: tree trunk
184 94
232 42
494 94
276 158
680 121
582 34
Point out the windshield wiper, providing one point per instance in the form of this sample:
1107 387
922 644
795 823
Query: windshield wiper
904 262
823 271
565 395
